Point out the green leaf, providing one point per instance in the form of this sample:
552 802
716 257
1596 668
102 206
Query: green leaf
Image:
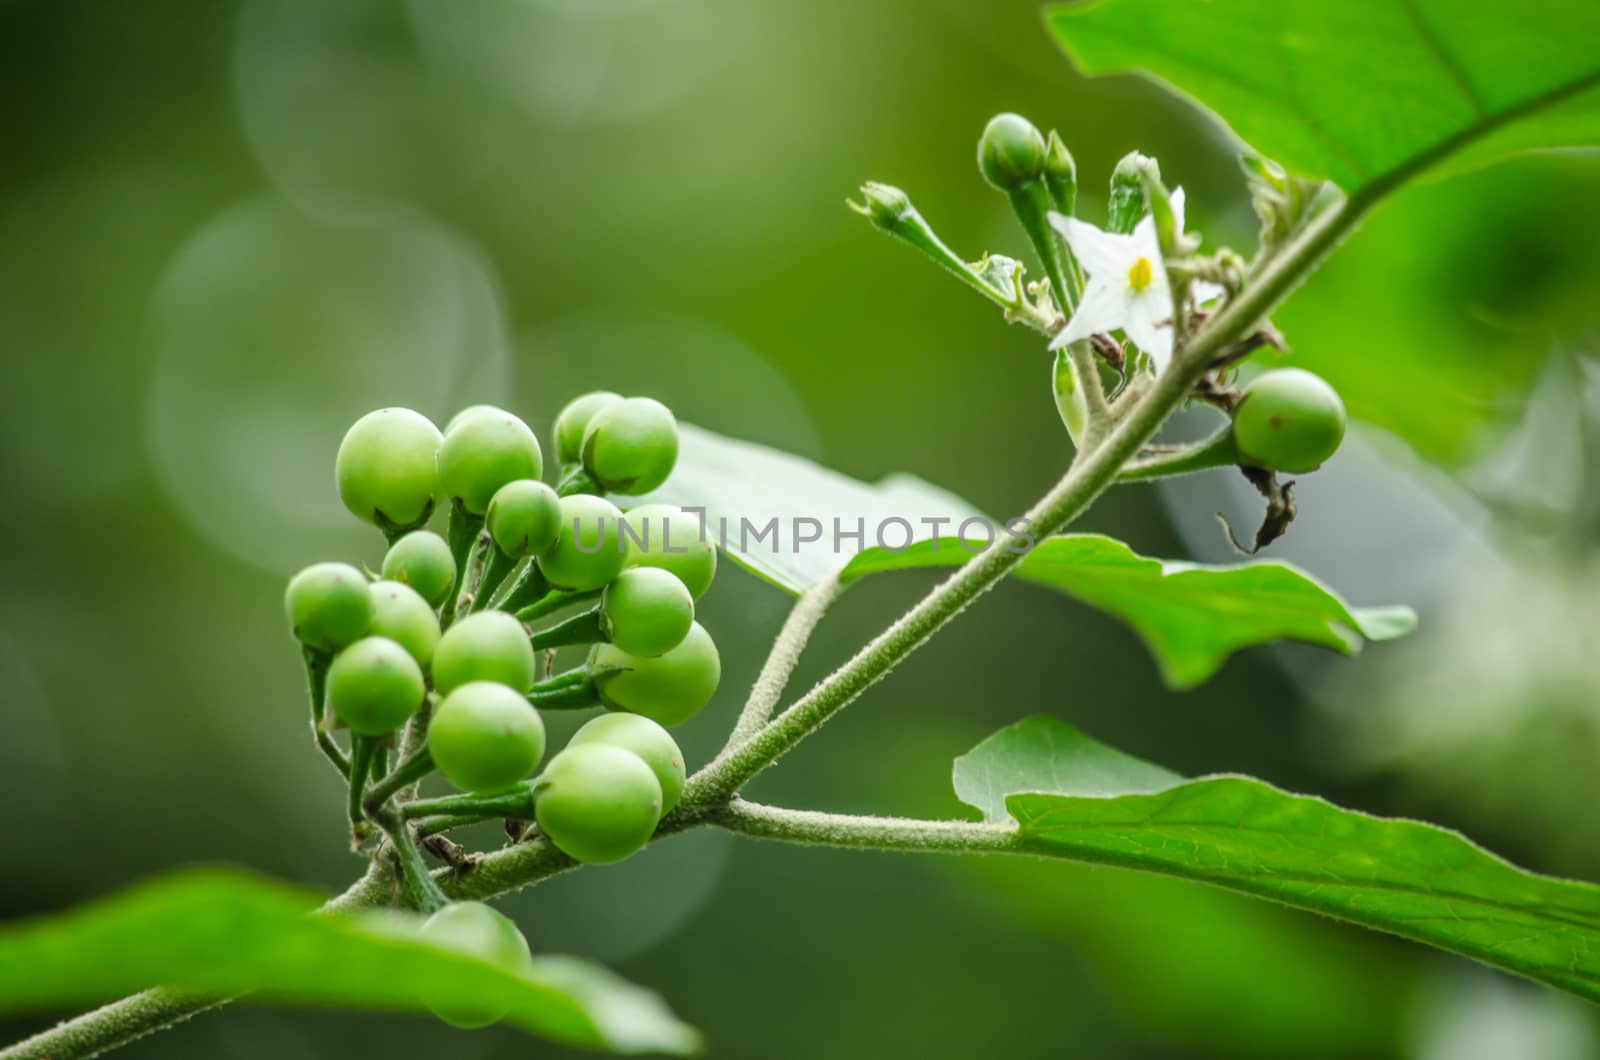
1192 616
223 932
1414 880
743 487
1365 92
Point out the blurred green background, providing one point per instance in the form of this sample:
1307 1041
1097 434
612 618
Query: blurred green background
228 229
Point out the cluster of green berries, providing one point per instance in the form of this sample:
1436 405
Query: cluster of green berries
457 621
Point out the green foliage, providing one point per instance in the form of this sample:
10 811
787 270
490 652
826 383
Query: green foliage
1415 880
222 932
1361 91
1192 616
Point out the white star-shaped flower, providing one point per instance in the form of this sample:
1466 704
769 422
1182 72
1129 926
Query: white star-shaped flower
1127 286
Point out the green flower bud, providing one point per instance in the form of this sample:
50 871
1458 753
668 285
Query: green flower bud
670 688
666 536
400 613
589 552
524 517
1127 204
574 419
645 738
885 205
631 446
1288 420
597 802
374 685
328 606
484 449
646 611
485 737
1010 152
476 930
1060 174
422 560
386 468
486 646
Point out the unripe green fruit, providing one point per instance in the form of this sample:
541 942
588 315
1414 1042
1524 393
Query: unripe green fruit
328 606
469 412
574 419
524 517
374 685
484 449
597 802
665 536
669 688
487 646
631 446
386 467
589 552
1288 420
476 930
1010 152
400 613
422 560
646 611
485 737
645 738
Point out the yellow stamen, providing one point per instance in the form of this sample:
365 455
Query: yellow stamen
1139 275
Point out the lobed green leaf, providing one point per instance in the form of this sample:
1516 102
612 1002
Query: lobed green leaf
1192 616
1410 879
223 932
1363 92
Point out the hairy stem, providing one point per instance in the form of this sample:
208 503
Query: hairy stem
1094 470
785 655
867 833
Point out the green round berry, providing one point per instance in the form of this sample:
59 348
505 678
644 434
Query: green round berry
1288 420
484 449
469 412
475 930
588 553
386 467
1010 152
574 420
374 685
669 688
524 517
400 613
666 536
487 646
597 802
485 737
631 446
645 738
646 611
328 606
422 560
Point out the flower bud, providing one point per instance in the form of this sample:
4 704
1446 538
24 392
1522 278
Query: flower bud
885 205
1010 152
1060 174
1127 202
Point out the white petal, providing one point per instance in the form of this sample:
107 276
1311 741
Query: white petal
1104 308
1176 200
1205 291
1102 254
1153 338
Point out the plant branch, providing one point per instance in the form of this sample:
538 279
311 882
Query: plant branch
785 655
1094 470
867 833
